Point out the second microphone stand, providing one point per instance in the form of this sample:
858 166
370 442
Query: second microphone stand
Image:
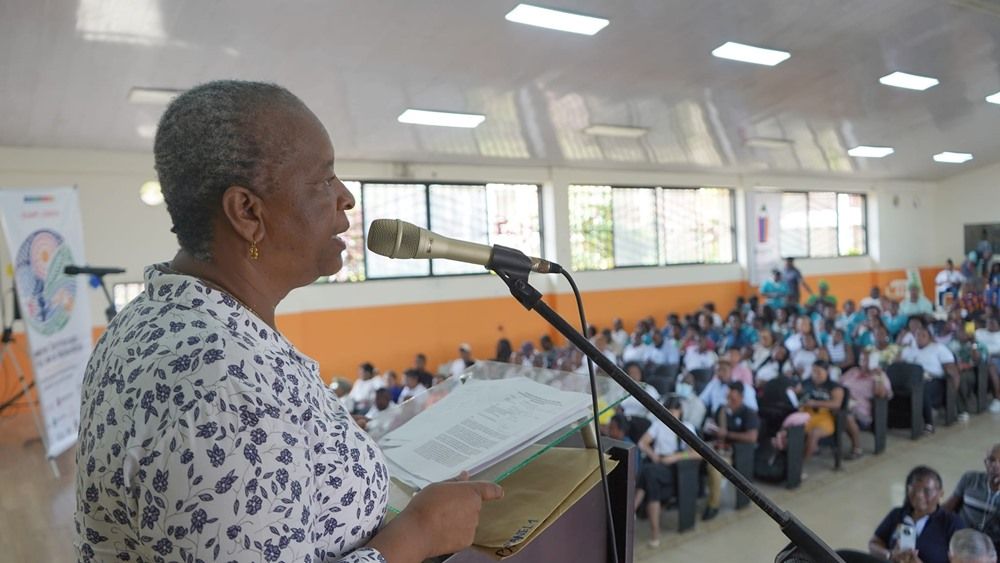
513 267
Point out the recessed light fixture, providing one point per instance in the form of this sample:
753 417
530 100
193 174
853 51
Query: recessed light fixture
750 54
952 157
150 193
768 143
993 98
152 96
556 19
863 151
441 118
909 81
625 131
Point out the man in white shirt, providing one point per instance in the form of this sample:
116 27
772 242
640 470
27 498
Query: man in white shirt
663 352
636 350
874 299
463 361
948 280
411 386
631 406
716 392
989 338
916 304
698 356
939 368
804 358
619 337
362 393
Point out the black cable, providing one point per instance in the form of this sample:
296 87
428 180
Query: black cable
597 428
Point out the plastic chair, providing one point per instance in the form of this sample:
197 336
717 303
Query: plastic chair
908 377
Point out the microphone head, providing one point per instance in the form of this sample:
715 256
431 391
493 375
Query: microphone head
393 238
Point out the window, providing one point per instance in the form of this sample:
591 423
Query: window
506 214
823 224
125 292
618 226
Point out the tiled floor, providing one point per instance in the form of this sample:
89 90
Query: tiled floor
36 509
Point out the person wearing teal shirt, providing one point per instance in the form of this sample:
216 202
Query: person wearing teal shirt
894 320
775 290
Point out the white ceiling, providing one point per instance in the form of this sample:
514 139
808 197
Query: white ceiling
66 67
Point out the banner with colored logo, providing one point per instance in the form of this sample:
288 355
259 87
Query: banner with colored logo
764 210
44 234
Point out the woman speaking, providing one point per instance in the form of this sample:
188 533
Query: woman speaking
205 435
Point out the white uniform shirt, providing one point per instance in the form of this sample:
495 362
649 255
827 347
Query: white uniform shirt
205 435
932 358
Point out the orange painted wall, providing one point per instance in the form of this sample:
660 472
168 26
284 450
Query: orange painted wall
389 336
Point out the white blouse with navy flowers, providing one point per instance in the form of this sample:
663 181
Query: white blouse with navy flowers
205 436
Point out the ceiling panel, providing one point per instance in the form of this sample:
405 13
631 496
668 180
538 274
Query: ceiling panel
67 65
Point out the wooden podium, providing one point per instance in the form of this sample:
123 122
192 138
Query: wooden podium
580 535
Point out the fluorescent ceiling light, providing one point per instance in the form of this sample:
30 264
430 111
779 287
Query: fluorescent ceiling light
908 81
152 96
769 143
750 54
441 118
952 157
555 19
863 151
993 98
616 131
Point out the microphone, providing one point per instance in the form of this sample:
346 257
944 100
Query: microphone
92 271
398 239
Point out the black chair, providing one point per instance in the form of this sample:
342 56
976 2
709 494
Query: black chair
950 401
795 456
662 377
688 485
743 462
982 386
701 379
906 409
880 422
637 427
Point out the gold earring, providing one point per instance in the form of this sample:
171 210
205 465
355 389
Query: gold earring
254 251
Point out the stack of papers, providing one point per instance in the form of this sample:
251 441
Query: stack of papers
476 426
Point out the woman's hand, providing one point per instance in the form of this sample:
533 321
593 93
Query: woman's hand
440 519
908 556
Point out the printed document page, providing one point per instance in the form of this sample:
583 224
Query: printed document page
477 425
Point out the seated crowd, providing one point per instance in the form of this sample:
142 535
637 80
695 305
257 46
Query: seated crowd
771 364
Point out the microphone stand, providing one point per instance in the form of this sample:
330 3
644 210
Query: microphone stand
513 267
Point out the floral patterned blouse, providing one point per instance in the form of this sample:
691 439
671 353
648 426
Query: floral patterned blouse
206 436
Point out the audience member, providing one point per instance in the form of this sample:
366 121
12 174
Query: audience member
884 352
824 296
989 338
778 400
970 265
804 357
663 351
775 364
920 517
874 299
821 398
939 367
698 355
775 290
342 388
841 352
740 365
970 546
383 400
363 391
894 320
738 335
793 278
863 383
412 386
657 483
984 251
693 408
977 497
963 347
391 380
636 350
504 353
973 299
631 407
948 280
915 304
732 423
619 337
716 392
420 368
464 360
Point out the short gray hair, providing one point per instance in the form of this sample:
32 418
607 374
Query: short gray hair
210 138
970 546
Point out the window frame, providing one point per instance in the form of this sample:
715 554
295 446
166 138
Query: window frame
836 197
426 184
661 260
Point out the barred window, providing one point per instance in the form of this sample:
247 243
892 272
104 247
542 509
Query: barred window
625 226
823 224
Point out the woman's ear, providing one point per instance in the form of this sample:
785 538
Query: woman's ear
243 210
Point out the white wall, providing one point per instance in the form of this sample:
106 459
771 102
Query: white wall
966 199
120 230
